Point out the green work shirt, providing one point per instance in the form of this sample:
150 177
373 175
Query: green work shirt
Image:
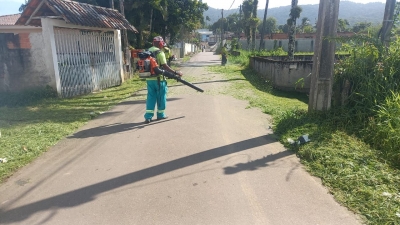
160 58
167 52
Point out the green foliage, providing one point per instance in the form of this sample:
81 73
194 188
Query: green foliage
295 12
372 105
270 26
365 179
343 25
356 174
360 27
29 125
174 18
235 44
384 128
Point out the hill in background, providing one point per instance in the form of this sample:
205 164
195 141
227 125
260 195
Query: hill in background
353 12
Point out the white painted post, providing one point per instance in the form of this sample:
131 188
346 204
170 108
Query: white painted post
50 52
118 52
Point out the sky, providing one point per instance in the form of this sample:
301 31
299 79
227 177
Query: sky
226 4
11 6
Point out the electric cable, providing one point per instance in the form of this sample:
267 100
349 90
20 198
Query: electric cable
232 4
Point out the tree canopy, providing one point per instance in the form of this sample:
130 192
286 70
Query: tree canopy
175 19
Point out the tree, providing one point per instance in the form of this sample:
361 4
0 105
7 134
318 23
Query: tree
294 14
253 24
23 6
234 24
305 26
173 18
221 23
308 29
270 26
342 25
247 10
360 27
283 28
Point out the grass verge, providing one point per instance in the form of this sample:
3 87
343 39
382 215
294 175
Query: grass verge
29 128
356 174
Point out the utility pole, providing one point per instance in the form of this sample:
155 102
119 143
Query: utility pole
111 4
263 27
324 56
124 37
387 22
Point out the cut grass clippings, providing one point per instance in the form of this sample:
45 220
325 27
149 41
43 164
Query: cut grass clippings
29 129
353 172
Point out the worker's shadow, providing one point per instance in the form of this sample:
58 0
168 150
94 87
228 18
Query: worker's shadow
116 128
119 127
256 164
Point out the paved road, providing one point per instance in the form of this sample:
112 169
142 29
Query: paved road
212 162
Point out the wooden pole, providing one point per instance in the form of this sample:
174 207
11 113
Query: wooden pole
387 22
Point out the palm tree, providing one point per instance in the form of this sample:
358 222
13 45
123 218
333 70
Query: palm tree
247 9
254 24
294 14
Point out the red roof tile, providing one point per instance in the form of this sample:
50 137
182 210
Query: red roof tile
9 19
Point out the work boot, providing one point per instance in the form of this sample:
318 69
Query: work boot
147 121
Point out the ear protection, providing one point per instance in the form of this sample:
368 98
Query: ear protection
160 41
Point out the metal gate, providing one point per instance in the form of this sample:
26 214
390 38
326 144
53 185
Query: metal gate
86 61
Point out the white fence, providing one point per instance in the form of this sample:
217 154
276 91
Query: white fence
86 61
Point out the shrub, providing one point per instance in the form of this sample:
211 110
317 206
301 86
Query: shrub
383 130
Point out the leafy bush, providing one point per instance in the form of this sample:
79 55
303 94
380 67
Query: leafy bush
384 128
372 73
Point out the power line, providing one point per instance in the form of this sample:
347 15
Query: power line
232 4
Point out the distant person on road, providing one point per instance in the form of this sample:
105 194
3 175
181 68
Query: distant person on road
168 55
224 55
157 86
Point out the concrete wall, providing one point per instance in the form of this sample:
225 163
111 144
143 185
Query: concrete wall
181 49
284 74
302 44
22 62
188 48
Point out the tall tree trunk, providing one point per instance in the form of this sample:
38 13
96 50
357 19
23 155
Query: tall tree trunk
254 28
292 33
151 20
262 43
248 38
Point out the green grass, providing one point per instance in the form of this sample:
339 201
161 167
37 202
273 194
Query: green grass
248 86
357 175
29 127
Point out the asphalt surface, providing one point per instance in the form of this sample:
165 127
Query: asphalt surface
213 161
